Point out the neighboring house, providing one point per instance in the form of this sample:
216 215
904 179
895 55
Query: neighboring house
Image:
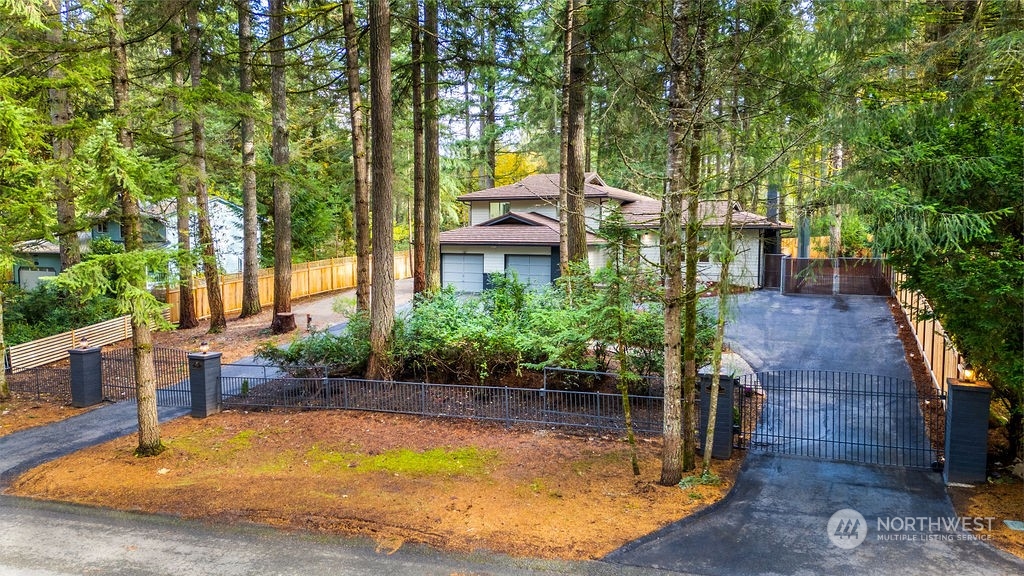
227 227
515 227
38 258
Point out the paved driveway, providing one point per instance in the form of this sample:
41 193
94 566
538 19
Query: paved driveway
776 519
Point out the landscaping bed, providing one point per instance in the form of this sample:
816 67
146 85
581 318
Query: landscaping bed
451 484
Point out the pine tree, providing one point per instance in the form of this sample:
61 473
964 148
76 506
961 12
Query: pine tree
382 290
284 320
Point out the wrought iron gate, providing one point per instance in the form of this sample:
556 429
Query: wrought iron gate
843 416
171 376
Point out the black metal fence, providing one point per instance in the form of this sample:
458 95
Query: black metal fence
43 381
171 375
593 410
546 407
844 416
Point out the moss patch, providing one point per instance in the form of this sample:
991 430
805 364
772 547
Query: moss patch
435 462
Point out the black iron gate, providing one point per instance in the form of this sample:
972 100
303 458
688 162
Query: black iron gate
843 416
118 365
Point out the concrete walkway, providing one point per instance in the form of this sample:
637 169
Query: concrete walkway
775 521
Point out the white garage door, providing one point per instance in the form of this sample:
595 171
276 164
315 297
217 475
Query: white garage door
464 271
532 270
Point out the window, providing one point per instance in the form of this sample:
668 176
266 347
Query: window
499 208
101 228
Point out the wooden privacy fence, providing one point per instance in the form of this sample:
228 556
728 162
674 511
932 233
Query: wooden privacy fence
308 278
936 347
54 348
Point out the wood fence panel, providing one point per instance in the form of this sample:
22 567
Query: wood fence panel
941 357
55 348
308 279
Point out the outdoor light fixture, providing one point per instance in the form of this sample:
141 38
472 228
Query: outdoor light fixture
968 373
204 347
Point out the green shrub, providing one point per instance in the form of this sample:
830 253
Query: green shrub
50 309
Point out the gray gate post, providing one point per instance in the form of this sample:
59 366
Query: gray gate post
967 411
204 383
86 377
722 450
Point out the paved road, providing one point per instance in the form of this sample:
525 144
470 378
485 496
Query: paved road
775 520
48 539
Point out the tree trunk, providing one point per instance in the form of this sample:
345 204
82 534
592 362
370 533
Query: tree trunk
418 207
725 256
835 236
431 152
693 226
183 208
359 168
218 323
488 112
563 148
251 305
679 143
60 117
5 389
131 230
382 303
576 224
283 320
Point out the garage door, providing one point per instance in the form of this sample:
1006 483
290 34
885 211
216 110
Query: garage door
464 271
532 270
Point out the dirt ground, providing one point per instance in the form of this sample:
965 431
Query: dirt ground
451 484
244 334
26 411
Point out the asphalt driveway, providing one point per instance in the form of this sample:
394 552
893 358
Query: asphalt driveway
777 518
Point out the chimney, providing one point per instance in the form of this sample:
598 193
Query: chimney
773 203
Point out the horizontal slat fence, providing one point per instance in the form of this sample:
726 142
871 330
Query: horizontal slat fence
55 348
308 278
941 357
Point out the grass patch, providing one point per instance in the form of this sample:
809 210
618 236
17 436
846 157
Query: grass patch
436 462
706 479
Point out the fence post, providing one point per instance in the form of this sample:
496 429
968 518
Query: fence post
722 450
204 380
86 376
967 411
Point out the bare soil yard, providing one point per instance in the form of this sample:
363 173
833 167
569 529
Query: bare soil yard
26 411
450 484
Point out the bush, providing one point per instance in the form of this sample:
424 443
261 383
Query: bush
340 355
50 309
462 339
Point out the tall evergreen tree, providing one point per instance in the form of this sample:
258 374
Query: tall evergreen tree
60 117
218 322
419 208
183 207
431 151
284 320
361 183
131 230
382 291
251 305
